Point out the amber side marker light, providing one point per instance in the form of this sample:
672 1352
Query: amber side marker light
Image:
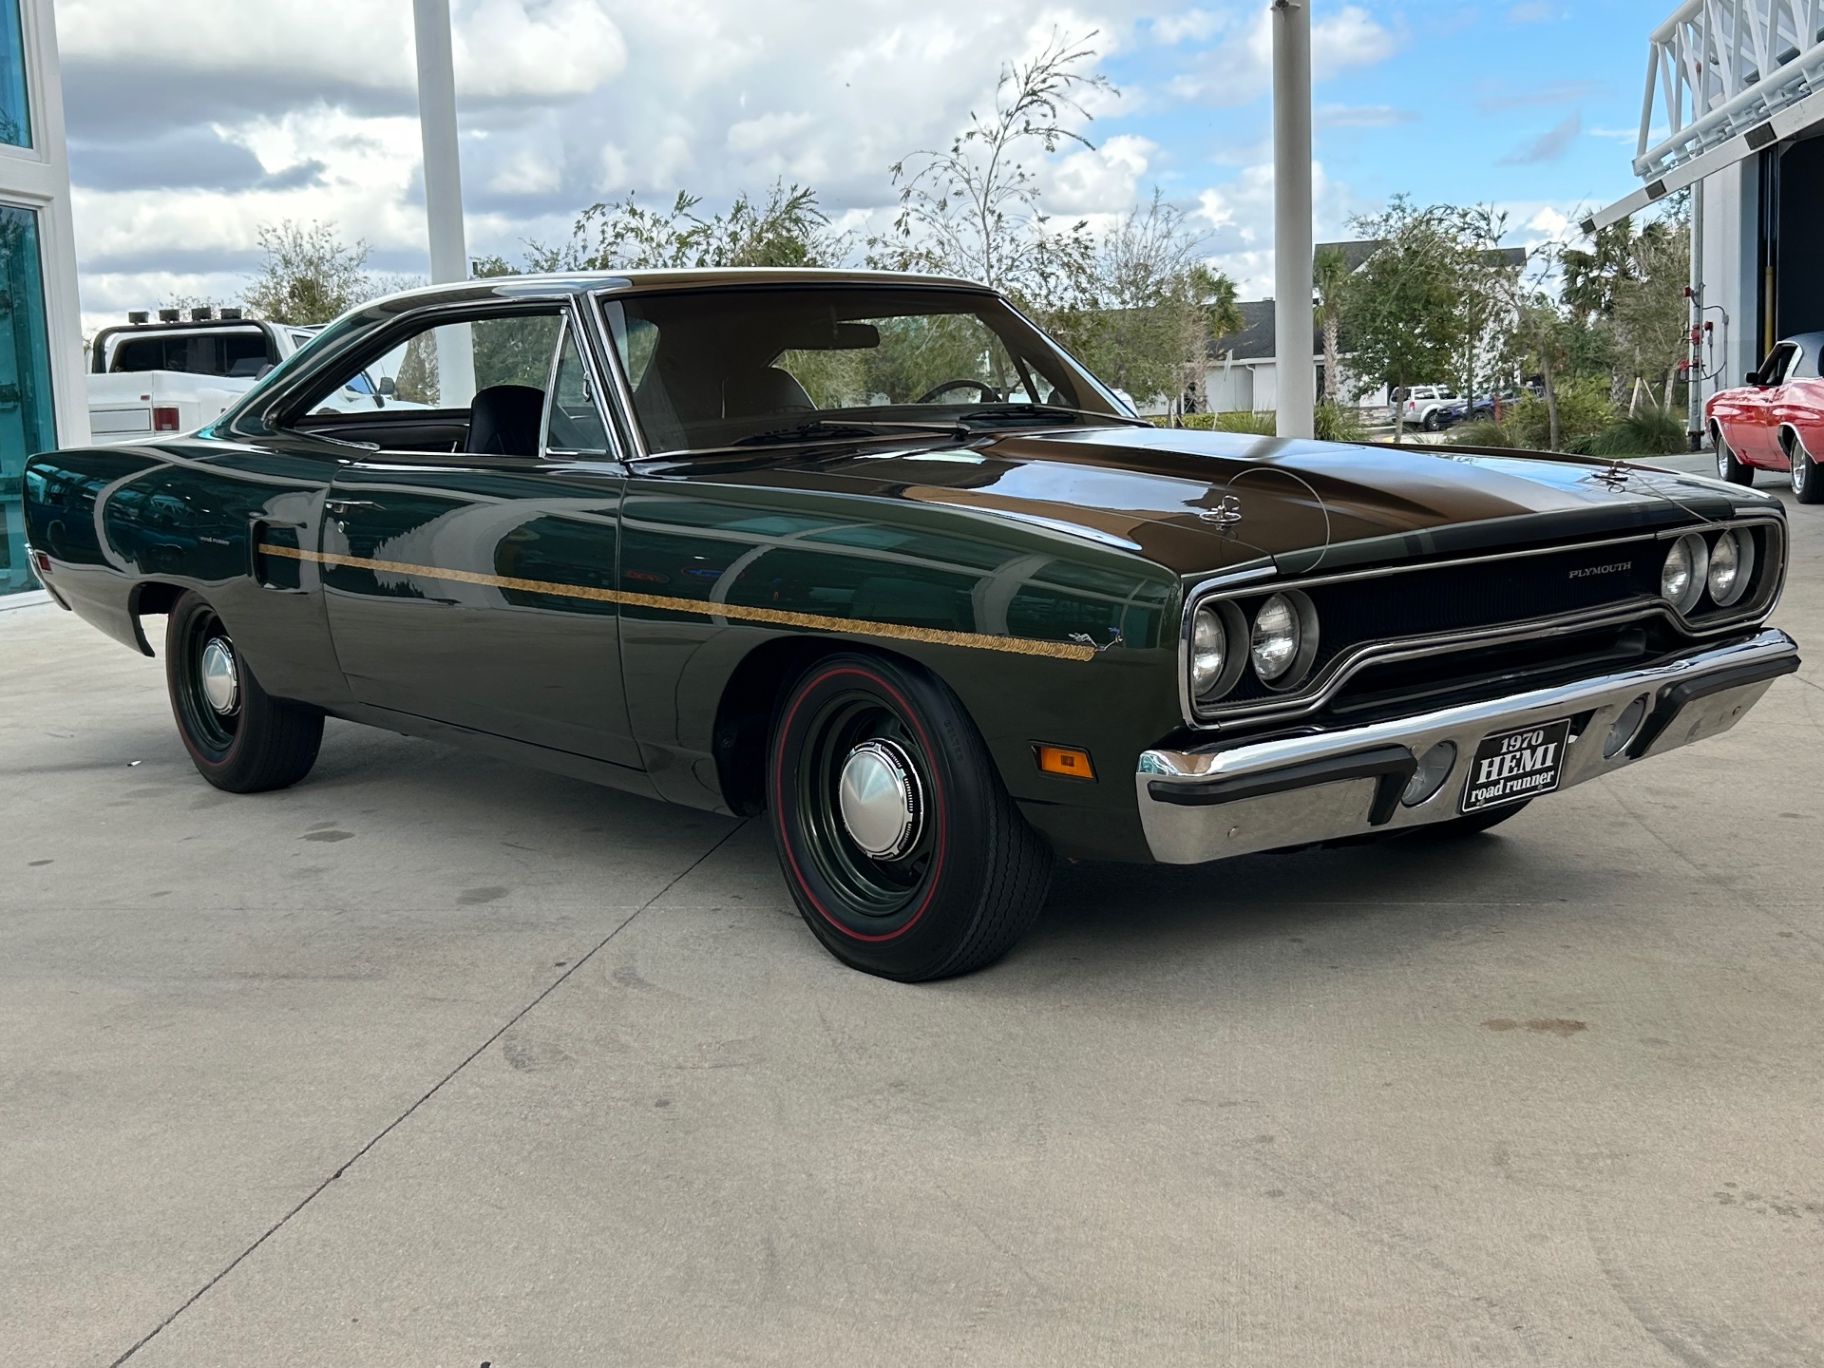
1065 760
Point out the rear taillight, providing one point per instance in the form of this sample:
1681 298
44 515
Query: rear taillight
164 419
42 563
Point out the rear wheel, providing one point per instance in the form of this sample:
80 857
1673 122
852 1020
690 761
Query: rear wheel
1728 466
239 738
1807 487
897 839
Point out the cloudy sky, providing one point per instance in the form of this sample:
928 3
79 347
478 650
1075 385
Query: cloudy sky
192 122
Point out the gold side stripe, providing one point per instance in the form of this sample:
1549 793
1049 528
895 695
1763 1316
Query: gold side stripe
980 641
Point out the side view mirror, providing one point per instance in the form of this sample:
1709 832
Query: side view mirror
387 387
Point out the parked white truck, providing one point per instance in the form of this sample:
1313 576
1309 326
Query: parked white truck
147 378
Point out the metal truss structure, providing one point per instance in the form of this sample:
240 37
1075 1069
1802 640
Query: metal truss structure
1727 78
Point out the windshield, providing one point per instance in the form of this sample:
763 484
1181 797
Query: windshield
712 368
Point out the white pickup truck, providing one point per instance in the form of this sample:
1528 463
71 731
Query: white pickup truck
175 375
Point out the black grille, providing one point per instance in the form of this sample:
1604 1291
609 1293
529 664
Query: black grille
1455 598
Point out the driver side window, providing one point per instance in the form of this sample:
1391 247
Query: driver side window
476 384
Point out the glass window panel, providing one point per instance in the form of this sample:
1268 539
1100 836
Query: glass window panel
15 108
714 367
576 423
26 420
444 367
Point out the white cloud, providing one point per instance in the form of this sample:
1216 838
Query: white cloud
503 48
1239 213
563 102
1361 116
1193 25
1104 179
1239 70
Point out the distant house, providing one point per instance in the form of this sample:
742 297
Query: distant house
1243 371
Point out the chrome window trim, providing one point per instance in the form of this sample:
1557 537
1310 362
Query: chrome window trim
575 326
623 392
1323 687
405 326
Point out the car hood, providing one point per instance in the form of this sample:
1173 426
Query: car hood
1196 502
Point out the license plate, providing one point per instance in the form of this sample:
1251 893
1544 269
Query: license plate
1512 765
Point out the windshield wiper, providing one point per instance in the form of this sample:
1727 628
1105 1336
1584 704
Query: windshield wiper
1046 413
818 429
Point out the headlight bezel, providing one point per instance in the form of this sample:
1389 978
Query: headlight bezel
1227 619
1741 540
1696 553
1305 638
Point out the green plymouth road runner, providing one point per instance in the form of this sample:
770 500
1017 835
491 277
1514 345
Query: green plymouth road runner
871 555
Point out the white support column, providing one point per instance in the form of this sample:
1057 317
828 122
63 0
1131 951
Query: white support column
1292 234
443 189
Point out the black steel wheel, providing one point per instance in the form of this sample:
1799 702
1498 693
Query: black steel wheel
1807 486
1728 466
897 839
240 738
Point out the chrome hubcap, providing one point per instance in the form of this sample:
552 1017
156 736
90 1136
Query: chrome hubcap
882 807
220 678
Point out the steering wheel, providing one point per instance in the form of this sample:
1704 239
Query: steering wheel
989 394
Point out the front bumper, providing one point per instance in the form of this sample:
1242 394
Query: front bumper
1212 803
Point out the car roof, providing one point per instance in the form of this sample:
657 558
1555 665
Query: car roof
695 278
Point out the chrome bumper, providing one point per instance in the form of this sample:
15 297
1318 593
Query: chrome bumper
1210 804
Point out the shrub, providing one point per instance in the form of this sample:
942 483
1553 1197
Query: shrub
1583 411
1337 424
1486 433
1255 424
1650 432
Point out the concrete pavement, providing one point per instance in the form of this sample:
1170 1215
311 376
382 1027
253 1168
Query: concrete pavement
436 1061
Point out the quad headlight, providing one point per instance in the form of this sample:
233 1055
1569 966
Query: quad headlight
1682 577
1209 651
1274 645
1215 649
1731 566
1283 641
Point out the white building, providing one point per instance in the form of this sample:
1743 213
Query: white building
1734 109
42 402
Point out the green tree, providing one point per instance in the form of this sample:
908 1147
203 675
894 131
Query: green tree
788 229
309 274
1628 288
1140 306
972 210
1539 340
1401 307
1330 275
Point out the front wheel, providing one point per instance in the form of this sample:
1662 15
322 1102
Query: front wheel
1807 487
1728 466
240 738
897 839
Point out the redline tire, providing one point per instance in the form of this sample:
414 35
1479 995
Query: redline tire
260 742
973 875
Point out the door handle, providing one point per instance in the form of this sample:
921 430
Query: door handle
339 506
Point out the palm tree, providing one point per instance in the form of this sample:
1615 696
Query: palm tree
1330 271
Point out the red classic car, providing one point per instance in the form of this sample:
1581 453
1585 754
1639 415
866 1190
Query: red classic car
1776 420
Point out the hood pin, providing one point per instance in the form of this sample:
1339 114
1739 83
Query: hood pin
1225 514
